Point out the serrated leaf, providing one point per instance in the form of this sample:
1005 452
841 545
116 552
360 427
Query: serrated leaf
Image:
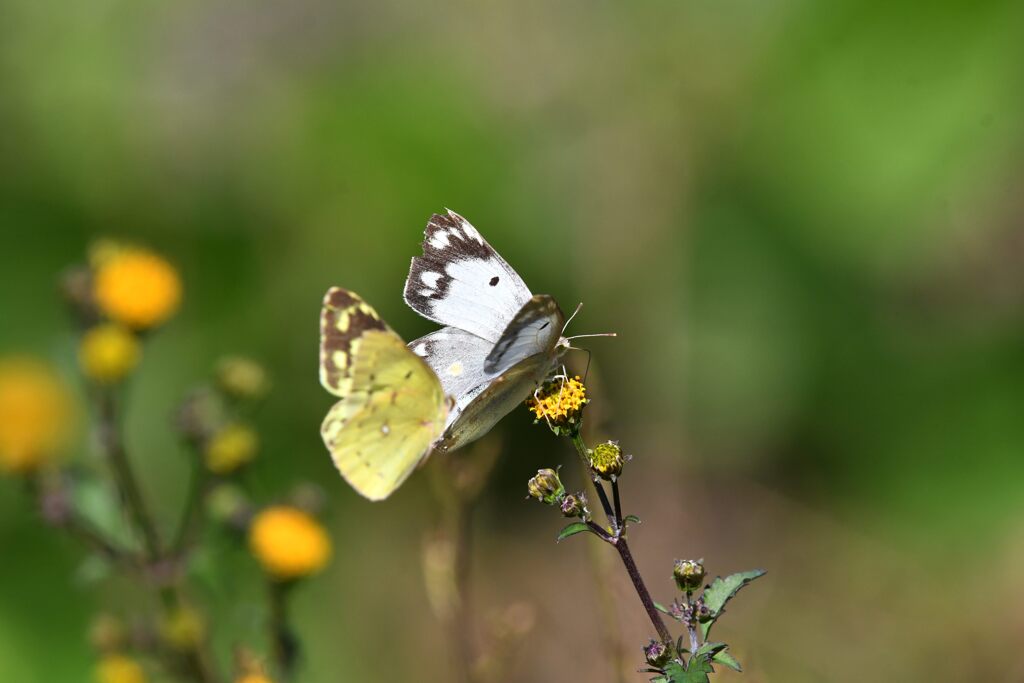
695 671
572 530
721 591
723 657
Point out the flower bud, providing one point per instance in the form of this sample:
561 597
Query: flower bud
230 447
108 352
241 378
546 487
658 654
606 460
574 505
689 574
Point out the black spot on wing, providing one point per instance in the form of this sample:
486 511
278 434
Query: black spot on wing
494 281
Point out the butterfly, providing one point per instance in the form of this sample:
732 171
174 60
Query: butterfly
399 403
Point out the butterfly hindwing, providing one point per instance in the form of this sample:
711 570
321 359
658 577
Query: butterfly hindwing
392 408
461 281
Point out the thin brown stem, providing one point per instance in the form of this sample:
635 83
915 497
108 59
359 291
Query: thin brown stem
284 644
641 590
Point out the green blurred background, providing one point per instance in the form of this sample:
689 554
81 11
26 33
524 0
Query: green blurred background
803 219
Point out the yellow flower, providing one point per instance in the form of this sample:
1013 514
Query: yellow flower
35 414
119 669
183 629
559 401
135 286
253 678
230 448
288 542
108 352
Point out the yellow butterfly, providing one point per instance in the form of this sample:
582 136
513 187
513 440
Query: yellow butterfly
392 407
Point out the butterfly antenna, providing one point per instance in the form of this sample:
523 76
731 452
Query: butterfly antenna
578 307
599 334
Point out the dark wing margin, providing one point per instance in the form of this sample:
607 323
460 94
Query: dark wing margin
343 318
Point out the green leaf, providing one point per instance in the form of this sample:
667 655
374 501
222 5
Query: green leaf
661 608
572 530
721 591
723 657
631 519
695 671
710 649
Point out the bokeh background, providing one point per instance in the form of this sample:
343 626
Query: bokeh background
803 219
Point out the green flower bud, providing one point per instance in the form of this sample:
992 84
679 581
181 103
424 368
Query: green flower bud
606 460
658 654
546 487
241 377
575 505
689 574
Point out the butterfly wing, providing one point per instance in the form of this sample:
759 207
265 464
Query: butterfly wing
392 407
461 281
535 329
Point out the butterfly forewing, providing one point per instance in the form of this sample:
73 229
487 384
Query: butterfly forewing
462 282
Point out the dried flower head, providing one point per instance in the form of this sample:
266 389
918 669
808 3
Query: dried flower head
288 542
546 487
231 447
134 286
559 402
688 574
118 668
606 460
575 505
657 654
108 352
36 413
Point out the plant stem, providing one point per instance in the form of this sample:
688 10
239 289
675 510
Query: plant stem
284 644
620 543
641 590
615 496
583 451
196 660
113 445
189 527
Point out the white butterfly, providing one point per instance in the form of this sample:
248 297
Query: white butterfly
499 340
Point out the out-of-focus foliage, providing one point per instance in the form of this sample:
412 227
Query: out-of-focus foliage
803 220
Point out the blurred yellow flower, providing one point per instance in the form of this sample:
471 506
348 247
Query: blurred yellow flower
230 448
183 629
119 669
135 286
288 542
241 377
253 678
108 352
35 414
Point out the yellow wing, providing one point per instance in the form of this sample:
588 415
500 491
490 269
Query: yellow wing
391 409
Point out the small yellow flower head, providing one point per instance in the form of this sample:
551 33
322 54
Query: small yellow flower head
288 542
230 448
134 286
559 402
689 574
119 669
253 678
183 629
606 460
241 378
546 487
108 353
36 414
